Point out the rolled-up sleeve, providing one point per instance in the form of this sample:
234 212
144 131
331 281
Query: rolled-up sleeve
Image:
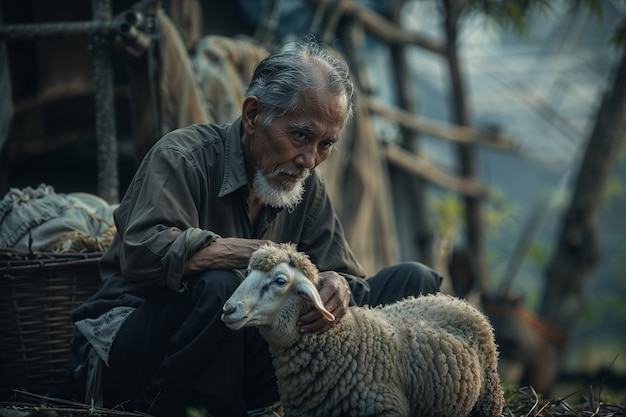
158 222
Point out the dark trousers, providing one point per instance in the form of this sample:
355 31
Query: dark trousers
174 352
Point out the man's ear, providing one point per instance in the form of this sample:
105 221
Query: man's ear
251 113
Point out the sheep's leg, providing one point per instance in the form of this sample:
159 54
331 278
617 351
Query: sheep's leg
490 401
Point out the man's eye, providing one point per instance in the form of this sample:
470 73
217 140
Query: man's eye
327 144
301 136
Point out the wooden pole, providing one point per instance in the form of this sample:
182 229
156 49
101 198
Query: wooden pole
466 152
108 182
578 248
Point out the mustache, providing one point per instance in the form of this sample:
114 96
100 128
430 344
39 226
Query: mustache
296 172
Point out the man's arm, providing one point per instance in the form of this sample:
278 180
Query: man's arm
234 253
224 253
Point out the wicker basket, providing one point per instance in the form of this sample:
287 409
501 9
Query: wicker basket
37 297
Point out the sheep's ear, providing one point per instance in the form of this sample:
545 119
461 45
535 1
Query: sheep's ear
308 291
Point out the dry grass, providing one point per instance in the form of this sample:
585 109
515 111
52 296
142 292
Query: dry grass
525 402
25 404
521 402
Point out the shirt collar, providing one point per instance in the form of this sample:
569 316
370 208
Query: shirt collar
234 162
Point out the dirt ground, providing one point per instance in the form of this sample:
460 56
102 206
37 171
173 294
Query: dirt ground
521 402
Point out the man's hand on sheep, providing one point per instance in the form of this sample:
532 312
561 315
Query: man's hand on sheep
234 253
335 294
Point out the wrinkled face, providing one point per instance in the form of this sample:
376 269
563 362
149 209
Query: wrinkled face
280 156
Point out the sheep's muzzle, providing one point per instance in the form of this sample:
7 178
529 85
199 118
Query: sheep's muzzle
233 315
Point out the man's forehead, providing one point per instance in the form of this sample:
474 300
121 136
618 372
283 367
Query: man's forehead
312 130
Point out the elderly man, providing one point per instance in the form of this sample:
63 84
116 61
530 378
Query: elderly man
204 198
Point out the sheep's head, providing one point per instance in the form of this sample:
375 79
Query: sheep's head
271 297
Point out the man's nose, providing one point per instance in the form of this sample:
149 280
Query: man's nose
306 158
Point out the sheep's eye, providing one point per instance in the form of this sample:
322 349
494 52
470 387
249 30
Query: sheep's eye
280 280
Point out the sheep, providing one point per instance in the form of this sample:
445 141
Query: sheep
432 355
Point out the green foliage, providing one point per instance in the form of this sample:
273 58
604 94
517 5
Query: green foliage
539 253
619 35
507 13
515 13
513 393
92 406
448 210
447 215
594 6
197 412
613 191
498 212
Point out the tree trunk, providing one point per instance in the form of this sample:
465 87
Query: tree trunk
411 209
466 152
578 250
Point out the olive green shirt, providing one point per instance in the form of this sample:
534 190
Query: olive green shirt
190 189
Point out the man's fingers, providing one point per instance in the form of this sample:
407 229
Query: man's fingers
335 294
320 324
311 321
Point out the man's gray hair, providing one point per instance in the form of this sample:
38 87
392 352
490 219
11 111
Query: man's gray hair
279 79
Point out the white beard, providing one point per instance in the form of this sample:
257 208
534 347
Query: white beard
288 196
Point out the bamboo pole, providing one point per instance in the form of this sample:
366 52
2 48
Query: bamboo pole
459 134
423 168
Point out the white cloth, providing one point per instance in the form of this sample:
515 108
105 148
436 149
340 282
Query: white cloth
32 217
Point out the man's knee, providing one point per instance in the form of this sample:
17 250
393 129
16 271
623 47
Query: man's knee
218 284
420 277
402 280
